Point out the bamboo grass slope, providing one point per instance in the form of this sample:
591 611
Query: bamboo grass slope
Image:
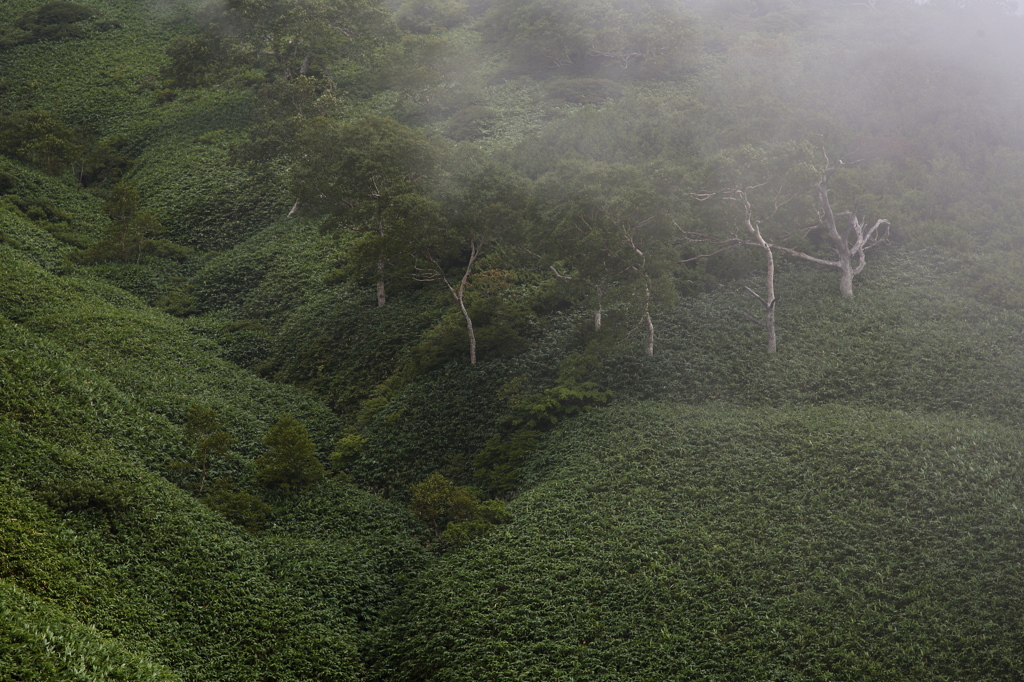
677 542
247 432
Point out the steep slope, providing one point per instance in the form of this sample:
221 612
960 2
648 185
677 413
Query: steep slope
95 391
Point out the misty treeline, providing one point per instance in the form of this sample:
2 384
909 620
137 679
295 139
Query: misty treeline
606 154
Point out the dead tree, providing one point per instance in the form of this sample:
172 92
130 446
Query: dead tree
849 243
756 240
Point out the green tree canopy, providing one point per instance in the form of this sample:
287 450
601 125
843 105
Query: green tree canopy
297 37
290 465
584 35
370 176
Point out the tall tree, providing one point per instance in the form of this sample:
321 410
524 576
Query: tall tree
606 226
753 238
368 176
302 37
484 209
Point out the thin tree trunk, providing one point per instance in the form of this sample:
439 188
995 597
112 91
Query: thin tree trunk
769 317
648 322
381 296
650 335
469 331
459 294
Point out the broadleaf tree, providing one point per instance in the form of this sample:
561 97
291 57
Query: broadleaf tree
608 227
484 208
369 176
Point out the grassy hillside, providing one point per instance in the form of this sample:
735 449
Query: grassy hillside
848 508
96 389
676 542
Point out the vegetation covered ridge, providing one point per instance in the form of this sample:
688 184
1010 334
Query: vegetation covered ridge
509 339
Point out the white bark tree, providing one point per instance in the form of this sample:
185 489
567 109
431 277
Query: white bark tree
849 242
458 290
754 239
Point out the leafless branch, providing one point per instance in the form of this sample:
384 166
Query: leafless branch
757 296
754 320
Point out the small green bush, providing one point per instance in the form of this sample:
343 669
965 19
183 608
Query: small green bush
54 14
291 464
239 507
80 495
547 408
455 514
52 21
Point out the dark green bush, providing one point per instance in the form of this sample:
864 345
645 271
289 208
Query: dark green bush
84 495
454 514
497 468
290 465
239 507
39 137
51 21
54 14
195 59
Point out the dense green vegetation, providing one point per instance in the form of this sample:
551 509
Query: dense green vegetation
345 340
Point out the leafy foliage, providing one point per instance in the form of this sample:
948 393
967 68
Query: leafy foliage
586 36
455 514
54 21
670 541
863 526
290 465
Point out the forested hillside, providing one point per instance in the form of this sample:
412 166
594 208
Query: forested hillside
512 340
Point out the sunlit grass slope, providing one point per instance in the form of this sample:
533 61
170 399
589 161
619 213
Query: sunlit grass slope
679 542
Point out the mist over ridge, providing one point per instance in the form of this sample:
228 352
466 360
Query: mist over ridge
511 340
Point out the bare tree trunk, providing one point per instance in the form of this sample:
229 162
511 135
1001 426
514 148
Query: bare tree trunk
597 317
769 300
469 331
459 294
381 296
647 321
769 312
650 335
846 252
846 281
